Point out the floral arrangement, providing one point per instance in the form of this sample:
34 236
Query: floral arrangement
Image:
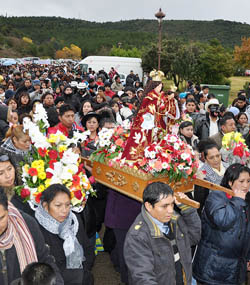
234 149
111 143
53 161
172 156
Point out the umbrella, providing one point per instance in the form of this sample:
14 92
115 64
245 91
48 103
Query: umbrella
9 62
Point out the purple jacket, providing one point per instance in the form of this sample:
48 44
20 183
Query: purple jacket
121 210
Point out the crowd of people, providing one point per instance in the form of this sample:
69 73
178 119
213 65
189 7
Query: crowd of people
160 241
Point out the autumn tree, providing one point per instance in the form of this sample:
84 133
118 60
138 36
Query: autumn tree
242 53
73 52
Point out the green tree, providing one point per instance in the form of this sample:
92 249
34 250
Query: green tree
133 52
215 63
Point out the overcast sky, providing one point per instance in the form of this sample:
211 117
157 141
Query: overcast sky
116 10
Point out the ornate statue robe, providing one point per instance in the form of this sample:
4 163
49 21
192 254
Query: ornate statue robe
155 110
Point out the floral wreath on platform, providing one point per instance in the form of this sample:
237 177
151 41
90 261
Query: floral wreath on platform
52 161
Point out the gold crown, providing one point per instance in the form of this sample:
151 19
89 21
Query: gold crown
156 75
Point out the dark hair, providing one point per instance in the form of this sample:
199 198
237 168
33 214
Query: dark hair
105 120
211 96
208 147
85 101
224 120
197 87
38 273
233 173
189 95
240 114
155 192
50 193
205 87
101 88
190 101
34 102
241 98
46 94
65 108
22 116
11 99
23 94
3 199
185 124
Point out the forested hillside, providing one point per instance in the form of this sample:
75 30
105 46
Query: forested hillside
50 34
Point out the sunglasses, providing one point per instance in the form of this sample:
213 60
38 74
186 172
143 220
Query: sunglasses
4 158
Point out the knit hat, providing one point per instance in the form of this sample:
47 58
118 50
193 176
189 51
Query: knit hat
9 93
58 99
183 95
36 82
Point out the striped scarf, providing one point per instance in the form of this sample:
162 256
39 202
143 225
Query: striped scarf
18 234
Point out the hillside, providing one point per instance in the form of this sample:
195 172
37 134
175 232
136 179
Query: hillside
52 33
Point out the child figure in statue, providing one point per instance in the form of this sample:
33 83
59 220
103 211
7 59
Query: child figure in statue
156 113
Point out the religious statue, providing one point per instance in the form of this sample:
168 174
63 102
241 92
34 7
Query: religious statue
156 114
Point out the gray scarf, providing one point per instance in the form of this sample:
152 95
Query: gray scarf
67 231
9 146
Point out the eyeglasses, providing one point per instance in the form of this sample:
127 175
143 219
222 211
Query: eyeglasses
4 158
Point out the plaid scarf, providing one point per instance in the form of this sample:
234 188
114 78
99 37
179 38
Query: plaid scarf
9 146
18 234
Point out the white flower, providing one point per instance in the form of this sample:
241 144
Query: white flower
148 121
165 165
69 157
180 167
185 156
41 115
176 146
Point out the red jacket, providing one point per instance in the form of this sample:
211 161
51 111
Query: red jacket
60 127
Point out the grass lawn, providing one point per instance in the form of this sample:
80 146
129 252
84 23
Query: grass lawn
237 83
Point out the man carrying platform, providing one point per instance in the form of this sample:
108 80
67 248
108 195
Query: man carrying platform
157 248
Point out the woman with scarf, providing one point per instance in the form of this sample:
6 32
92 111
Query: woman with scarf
21 243
63 231
186 133
213 170
17 143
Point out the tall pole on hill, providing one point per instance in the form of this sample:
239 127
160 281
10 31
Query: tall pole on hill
159 15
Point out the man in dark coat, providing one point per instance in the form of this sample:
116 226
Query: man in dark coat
158 244
70 98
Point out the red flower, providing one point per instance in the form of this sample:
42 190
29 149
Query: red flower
61 154
80 169
53 154
49 175
76 180
25 193
38 197
239 151
78 194
204 172
51 163
33 172
92 179
42 151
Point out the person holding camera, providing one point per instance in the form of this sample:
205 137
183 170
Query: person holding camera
208 125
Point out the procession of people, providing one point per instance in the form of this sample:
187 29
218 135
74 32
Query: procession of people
51 235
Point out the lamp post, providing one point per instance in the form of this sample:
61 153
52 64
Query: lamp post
159 15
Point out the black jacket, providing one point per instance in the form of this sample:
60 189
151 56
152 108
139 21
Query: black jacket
202 125
70 276
43 255
224 248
